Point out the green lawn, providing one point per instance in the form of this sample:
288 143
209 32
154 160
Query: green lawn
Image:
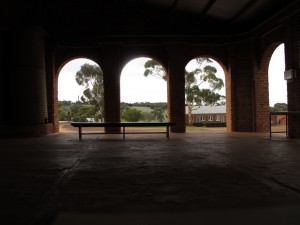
143 109
202 129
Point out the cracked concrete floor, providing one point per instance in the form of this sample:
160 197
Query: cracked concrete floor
210 177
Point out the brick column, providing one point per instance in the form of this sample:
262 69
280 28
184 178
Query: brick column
27 84
176 89
2 81
229 88
229 102
242 88
261 92
52 87
292 52
111 77
293 87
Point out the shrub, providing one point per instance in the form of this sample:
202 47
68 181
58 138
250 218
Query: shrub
198 124
210 124
132 115
216 124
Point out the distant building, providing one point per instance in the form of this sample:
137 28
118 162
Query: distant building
206 114
278 120
90 119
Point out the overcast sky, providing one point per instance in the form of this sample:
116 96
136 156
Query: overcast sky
137 88
277 84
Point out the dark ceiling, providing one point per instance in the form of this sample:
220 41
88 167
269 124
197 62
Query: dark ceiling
91 19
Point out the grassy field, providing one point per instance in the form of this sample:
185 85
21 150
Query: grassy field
205 129
148 111
143 109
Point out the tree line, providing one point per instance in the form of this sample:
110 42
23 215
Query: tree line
279 107
130 112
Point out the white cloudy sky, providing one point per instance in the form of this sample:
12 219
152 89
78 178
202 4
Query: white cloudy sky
137 88
277 84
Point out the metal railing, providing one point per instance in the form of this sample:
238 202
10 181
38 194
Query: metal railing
286 114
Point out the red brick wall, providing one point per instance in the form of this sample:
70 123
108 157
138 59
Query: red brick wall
294 105
111 78
176 96
230 103
293 85
262 106
242 88
196 118
52 86
278 119
2 79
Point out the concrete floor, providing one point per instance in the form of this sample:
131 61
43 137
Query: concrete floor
192 178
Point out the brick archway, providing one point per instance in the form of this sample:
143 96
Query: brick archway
227 86
56 84
152 88
262 106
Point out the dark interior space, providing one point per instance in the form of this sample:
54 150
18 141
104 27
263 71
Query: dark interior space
241 176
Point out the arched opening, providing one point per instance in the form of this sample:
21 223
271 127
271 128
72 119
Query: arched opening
277 88
205 95
143 91
80 93
277 84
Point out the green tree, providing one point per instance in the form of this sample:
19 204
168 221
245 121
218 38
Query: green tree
81 111
132 115
195 97
153 68
147 116
124 106
279 107
64 111
158 113
91 77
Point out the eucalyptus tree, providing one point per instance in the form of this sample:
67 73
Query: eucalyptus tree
195 94
91 77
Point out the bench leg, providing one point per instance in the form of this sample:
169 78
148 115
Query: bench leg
167 131
79 132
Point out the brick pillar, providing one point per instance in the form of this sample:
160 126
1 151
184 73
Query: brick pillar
261 101
261 93
28 113
229 90
176 90
229 102
293 87
52 87
2 81
111 77
292 53
242 104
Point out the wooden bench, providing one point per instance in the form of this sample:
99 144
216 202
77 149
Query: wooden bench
80 125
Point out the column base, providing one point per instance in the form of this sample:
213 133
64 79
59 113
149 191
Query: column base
33 130
178 129
112 130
